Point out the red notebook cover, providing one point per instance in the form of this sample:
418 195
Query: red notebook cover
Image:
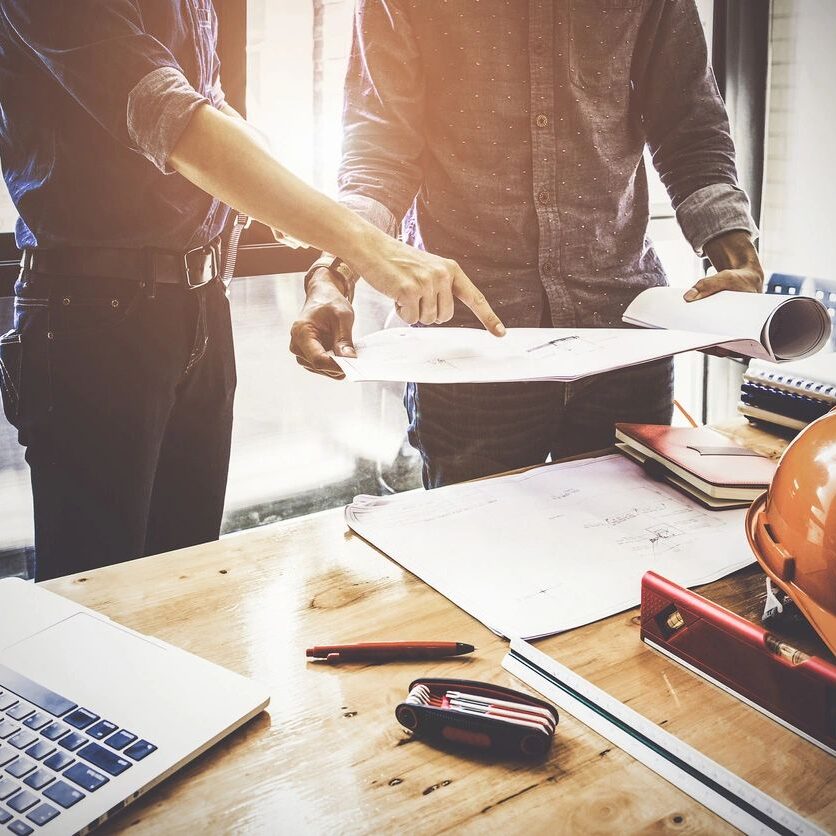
704 453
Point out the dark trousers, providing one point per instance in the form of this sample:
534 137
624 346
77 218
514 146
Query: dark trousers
468 431
124 405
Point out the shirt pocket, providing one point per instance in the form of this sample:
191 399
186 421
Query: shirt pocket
602 35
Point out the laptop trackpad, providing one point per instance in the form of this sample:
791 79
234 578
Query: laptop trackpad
125 678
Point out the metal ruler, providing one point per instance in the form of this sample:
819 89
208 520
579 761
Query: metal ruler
724 793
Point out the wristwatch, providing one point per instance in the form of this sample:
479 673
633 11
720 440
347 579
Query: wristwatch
338 268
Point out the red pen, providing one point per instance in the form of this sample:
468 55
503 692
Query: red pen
387 651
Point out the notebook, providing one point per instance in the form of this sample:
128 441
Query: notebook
703 458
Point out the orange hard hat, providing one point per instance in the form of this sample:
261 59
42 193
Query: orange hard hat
792 527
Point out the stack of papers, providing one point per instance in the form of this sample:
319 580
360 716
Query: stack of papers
770 327
556 547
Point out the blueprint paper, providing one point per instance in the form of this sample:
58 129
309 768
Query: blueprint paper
765 326
769 327
553 548
472 355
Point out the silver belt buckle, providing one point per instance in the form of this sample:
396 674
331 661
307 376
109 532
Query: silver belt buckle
215 271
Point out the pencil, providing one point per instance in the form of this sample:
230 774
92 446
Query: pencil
685 413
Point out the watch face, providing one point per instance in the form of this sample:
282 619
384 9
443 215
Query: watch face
343 269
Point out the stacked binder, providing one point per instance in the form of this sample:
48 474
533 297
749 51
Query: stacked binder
789 394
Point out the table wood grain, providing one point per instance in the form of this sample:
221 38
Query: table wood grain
329 756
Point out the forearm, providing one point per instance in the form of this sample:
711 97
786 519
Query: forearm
344 281
687 126
221 155
733 251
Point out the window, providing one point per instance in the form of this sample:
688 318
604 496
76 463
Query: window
295 90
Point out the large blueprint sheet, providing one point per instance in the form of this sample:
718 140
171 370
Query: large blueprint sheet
555 547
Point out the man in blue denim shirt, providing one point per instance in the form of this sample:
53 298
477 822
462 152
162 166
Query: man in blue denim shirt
509 135
121 156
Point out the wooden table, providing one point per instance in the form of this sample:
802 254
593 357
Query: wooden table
329 756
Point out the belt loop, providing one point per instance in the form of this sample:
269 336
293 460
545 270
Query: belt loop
150 273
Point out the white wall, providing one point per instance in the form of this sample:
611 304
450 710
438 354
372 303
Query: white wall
797 224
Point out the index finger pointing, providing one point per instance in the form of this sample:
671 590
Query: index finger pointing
465 290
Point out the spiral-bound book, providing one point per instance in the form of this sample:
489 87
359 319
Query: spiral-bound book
792 394
814 377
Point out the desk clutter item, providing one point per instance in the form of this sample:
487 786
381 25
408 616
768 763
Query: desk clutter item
387 651
554 547
791 395
699 461
793 688
719 790
478 715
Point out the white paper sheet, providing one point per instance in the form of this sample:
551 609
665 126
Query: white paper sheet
766 326
555 547
472 355
770 327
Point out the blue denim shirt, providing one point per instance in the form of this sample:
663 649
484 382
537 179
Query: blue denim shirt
93 98
510 135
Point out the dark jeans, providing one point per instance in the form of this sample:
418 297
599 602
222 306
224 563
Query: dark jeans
124 405
466 431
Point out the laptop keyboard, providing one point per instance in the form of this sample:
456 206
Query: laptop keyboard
54 753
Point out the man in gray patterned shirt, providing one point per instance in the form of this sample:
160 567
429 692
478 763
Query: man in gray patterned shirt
509 135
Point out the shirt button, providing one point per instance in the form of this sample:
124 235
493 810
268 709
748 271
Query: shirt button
547 268
543 197
542 121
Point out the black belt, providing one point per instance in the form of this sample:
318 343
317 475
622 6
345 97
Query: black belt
191 269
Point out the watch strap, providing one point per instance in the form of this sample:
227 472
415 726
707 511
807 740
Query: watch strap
338 268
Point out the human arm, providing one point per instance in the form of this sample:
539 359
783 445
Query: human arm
380 171
688 135
219 154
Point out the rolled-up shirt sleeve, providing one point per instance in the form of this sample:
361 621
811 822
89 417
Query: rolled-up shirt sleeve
120 74
159 108
712 211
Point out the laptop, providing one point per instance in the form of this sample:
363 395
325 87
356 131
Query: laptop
93 714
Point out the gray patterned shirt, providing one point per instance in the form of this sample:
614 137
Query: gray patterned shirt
509 135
